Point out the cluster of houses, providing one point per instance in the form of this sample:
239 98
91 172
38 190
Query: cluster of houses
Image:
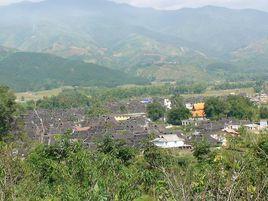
213 131
253 127
44 125
133 126
259 98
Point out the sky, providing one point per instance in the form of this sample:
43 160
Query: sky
177 4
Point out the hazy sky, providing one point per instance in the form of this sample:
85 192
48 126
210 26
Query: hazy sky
176 4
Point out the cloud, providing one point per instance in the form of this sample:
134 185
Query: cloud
6 2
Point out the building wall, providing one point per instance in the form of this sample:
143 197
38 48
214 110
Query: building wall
169 144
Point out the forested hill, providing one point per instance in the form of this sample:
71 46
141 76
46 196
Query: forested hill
24 71
96 24
161 44
191 44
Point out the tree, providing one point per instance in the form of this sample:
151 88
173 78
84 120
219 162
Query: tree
116 148
215 107
201 150
8 108
97 109
241 108
177 101
176 115
153 156
264 113
259 85
155 111
65 99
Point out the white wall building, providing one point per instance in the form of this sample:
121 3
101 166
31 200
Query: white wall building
167 103
170 141
232 126
189 106
252 127
263 124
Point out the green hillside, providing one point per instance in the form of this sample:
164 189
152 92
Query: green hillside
93 29
4 52
35 71
254 57
139 52
103 24
206 43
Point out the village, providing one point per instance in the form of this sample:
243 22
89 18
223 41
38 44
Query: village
129 122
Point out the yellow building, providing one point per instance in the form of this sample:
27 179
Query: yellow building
198 110
121 118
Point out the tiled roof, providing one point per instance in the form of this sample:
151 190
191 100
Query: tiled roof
170 138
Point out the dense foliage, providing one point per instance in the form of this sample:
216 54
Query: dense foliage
82 97
176 115
144 91
8 108
216 107
155 111
178 112
35 71
66 99
264 112
241 108
97 109
177 101
238 107
234 85
67 170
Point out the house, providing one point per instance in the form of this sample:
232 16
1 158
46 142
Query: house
198 110
170 141
230 131
252 127
256 127
196 136
147 101
186 122
220 139
81 129
121 118
167 103
189 106
232 127
263 124
191 121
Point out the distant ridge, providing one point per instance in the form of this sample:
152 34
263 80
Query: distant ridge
159 45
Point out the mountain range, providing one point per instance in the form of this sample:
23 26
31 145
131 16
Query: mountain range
191 43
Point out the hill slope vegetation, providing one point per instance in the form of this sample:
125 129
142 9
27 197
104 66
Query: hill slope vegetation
25 71
162 45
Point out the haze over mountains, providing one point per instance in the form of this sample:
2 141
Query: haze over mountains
161 45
